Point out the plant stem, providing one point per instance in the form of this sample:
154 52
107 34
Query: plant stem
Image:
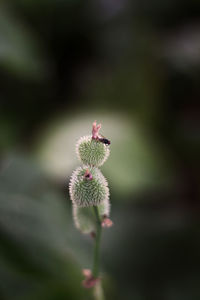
95 270
98 292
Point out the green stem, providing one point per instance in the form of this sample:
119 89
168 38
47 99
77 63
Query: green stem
95 270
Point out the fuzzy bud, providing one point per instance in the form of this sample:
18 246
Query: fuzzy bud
85 219
92 151
88 187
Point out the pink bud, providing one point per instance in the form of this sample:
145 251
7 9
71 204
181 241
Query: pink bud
106 222
88 175
95 130
87 272
89 280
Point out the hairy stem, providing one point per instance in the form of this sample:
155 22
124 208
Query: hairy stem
96 259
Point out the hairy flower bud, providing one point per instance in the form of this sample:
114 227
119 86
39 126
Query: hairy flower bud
92 151
88 187
85 218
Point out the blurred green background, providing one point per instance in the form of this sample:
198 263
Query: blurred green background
133 66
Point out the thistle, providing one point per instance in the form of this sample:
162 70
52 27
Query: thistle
89 193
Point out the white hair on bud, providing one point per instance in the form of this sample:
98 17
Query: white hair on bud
88 192
91 151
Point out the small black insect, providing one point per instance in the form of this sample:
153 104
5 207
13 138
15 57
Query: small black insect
103 140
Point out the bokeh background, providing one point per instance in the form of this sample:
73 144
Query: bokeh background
133 66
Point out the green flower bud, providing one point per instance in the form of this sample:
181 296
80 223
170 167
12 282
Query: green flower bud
88 187
92 151
85 219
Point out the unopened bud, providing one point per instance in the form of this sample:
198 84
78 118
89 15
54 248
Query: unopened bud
91 151
85 218
106 222
88 192
89 281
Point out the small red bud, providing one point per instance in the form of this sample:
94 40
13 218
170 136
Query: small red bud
87 272
95 130
106 222
88 175
89 281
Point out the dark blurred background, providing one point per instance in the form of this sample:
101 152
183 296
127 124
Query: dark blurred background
133 66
